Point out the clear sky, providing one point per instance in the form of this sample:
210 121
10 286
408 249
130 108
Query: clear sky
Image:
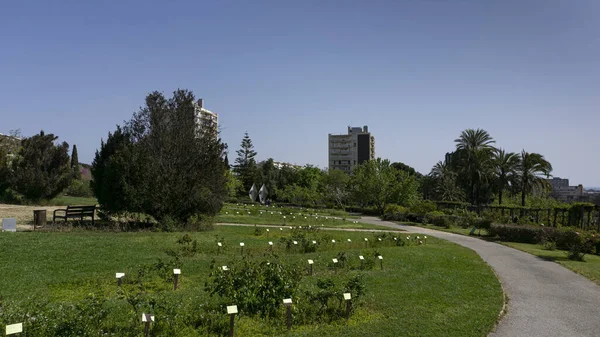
417 72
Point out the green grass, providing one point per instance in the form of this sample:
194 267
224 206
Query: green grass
453 229
65 200
436 289
589 268
267 219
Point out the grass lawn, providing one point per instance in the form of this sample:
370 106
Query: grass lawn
435 289
260 215
291 221
589 268
454 229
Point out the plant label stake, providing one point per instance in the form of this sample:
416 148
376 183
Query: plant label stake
349 243
176 272
366 243
119 277
231 311
219 245
347 298
362 261
146 319
271 245
13 329
288 303
267 231
381 260
242 245
310 264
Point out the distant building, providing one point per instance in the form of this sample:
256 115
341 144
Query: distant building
563 192
281 165
206 118
347 151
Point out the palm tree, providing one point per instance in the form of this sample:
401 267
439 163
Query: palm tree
530 170
474 151
445 182
505 170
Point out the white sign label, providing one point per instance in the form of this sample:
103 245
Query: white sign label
219 244
349 240
280 228
366 239
295 242
267 229
144 319
361 257
287 301
314 242
14 328
225 268
347 296
176 271
332 241
310 262
232 309
335 261
380 257
270 243
119 275
241 244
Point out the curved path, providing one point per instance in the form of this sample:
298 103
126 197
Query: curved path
545 299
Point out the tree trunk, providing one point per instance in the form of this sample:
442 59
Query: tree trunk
500 197
523 201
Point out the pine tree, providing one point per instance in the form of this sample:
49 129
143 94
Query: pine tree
245 164
75 163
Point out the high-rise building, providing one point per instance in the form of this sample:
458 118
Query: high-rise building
206 118
346 151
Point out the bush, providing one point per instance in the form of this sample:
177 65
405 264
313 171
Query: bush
393 209
80 188
422 207
518 233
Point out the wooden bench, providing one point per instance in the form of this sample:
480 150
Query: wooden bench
75 212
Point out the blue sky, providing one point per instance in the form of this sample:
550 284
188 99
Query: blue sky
290 72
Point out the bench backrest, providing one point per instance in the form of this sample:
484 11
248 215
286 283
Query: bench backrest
80 209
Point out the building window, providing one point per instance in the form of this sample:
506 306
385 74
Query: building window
355 162
354 144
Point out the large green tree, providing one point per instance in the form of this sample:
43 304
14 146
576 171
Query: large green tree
245 165
41 169
532 170
473 160
377 183
505 171
335 187
445 187
164 166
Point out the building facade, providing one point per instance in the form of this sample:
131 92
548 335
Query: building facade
206 119
563 192
347 151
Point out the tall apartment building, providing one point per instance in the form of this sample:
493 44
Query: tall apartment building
346 151
206 118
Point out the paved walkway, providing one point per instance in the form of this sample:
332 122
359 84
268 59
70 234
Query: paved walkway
545 299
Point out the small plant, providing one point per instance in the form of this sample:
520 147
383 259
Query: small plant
549 245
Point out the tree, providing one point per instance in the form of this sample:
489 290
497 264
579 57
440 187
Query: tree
41 169
444 182
403 167
113 181
75 163
505 171
161 163
335 185
473 162
245 165
377 183
531 171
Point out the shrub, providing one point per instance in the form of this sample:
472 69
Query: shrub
422 207
393 209
80 188
517 233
